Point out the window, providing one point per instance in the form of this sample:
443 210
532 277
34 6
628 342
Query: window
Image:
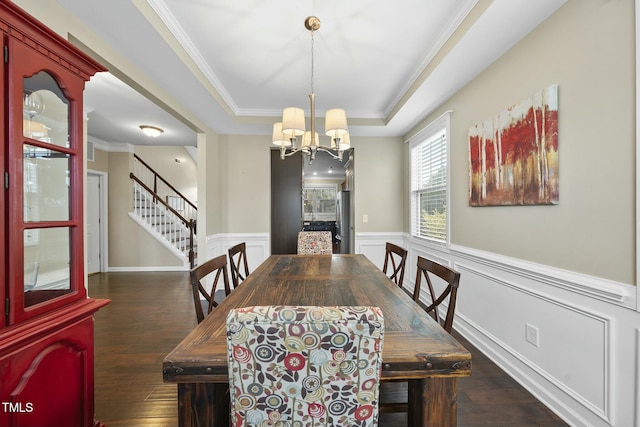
319 202
429 182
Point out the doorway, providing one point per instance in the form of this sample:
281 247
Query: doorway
292 211
96 228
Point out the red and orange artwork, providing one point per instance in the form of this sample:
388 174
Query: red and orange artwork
513 157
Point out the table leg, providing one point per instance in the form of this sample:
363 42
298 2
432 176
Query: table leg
203 405
433 402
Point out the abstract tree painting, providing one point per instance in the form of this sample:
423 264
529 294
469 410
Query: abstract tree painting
513 157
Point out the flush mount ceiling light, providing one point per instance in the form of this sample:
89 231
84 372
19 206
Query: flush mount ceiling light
286 132
151 131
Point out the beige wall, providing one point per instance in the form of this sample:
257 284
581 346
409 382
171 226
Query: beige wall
245 168
100 161
244 163
587 49
129 244
182 176
378 183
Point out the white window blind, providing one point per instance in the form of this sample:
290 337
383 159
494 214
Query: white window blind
429 186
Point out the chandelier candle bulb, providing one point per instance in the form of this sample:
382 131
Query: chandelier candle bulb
307 141
342 144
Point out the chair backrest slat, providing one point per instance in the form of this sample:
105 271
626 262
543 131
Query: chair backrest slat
396 258
217 265
238 263
426 267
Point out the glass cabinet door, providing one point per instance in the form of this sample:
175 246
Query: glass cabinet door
45 158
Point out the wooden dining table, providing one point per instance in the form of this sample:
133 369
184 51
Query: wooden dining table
416 349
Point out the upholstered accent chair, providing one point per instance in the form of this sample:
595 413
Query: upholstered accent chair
304 366
315 243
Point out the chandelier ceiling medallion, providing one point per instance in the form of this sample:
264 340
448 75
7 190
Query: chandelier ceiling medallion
286 132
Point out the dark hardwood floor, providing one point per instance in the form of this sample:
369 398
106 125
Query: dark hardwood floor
150 313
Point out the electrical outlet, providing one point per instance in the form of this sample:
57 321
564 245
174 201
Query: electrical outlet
365 218
532 334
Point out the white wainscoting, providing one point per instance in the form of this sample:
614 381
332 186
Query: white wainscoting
372 245
585 367
258 249
258 246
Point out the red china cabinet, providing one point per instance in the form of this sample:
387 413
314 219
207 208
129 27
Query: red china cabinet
46 326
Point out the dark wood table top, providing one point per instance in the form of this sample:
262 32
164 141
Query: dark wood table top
415 346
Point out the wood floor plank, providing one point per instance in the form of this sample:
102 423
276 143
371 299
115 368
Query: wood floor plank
151 312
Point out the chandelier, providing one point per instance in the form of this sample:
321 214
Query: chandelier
286 132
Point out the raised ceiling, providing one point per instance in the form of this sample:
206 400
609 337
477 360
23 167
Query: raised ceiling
237 64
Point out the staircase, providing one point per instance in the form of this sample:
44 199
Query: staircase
170 219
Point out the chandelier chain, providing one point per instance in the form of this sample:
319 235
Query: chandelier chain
312 60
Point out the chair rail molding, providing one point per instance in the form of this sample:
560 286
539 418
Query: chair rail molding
594 287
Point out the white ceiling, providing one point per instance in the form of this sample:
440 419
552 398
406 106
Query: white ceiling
237 64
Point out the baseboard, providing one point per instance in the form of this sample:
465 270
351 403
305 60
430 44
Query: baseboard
158 268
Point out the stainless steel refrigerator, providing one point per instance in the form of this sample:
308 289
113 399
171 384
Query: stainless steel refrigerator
343 221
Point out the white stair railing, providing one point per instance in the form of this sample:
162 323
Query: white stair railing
157 215
164 189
